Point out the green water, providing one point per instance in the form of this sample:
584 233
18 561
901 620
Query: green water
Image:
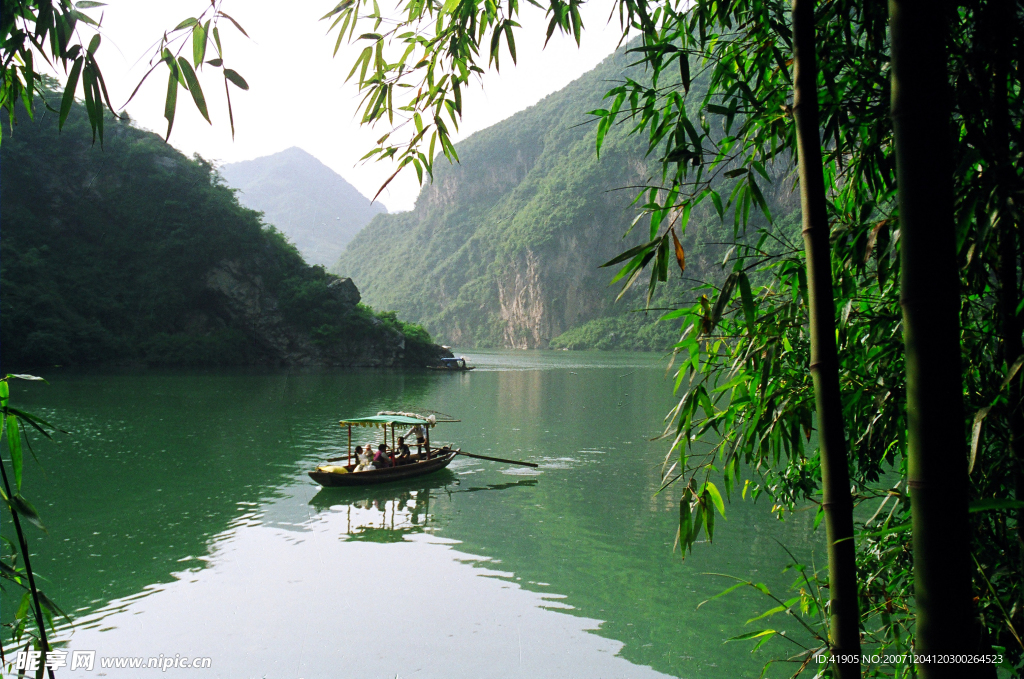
181 521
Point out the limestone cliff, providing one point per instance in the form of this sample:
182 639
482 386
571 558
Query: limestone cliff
504 248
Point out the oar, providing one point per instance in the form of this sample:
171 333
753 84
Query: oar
497 459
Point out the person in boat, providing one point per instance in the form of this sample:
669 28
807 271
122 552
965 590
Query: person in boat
363 459
420 432
404 454
381 460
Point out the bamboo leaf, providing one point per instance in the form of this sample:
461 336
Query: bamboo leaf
1012 371
888 531
716 497
171 102
723 299
14 444
709 519
768 613
11 574
199 37
747 298
69 92
53 608
994 503
628 254
752 635
680 253
979 418
34 421
27 511
237 25
684 71
193 87
723 592
237 80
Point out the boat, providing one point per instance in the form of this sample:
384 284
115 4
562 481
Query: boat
420 463
452 365
332 477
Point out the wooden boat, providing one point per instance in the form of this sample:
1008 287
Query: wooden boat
430 460
419 463
331 479
452 365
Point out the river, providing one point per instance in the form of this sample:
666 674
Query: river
182 523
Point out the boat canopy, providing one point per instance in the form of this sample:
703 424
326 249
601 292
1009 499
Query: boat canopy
384 420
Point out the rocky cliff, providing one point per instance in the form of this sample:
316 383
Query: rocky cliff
238 298
504 248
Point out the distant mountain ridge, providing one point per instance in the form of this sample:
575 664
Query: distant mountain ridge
304 199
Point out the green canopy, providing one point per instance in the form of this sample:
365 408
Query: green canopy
384 421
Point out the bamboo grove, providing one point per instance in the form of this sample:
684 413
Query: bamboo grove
918 125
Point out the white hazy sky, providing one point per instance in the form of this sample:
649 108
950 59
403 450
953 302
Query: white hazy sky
297 95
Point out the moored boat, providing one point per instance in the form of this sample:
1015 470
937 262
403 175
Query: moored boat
452 365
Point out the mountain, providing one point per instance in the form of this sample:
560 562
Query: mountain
131 253
304 199
505 247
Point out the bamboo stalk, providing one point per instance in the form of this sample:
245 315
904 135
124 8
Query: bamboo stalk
929 295
999 21
844 628
23 544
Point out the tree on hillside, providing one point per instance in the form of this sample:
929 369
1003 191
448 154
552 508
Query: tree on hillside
414 71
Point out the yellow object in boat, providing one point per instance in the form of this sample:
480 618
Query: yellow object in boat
332 469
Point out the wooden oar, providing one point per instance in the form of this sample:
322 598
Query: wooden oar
497 459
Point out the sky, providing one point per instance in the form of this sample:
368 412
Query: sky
297 95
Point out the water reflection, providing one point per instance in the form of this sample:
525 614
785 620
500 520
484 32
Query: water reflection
392 512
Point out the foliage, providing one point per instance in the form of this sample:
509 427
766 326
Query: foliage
107 256
53 30
35 611
744 351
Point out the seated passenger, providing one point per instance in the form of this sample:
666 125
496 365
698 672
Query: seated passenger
403 451
363 459
381 459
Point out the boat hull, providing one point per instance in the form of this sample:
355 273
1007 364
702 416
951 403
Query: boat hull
375 476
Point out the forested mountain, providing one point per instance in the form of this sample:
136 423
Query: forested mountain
304 199
504 248
132 253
